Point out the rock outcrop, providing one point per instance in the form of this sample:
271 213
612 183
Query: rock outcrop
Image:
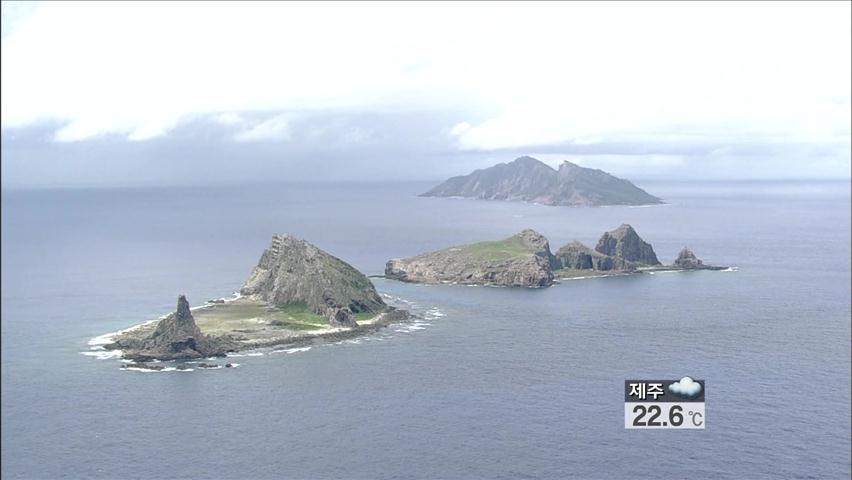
687 260
523 260
625 244
620 250
294 271
176 337
528 179
576 256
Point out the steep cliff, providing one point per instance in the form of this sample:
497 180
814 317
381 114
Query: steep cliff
295 271
626 244
576 256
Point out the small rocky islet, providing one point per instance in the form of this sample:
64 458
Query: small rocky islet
525 260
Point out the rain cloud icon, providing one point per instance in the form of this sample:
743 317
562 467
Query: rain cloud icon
686 387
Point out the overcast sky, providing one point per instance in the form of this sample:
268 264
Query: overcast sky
117 92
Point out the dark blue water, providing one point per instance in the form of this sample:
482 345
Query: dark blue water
509 383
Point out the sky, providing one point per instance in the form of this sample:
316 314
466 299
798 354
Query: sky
120 93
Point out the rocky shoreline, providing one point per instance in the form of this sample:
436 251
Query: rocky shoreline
133 344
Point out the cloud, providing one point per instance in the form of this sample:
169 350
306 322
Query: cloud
92 126
78 130
685 387
460 129
13 13
567 73
228 119
148 128
635 162
275 128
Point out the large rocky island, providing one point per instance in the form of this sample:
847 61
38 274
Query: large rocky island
525 260
294 272
530 180
520 260
295 294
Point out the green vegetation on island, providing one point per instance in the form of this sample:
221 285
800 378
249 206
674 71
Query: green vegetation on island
496 249
296 293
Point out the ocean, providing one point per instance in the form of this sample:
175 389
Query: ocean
487 383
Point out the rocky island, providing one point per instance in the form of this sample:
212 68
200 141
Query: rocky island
520 260
294 272
528 179
525 260
295 294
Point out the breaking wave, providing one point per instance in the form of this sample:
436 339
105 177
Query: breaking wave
102 354
155 370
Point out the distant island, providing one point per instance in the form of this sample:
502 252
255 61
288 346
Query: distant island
525 260
528 179
296 293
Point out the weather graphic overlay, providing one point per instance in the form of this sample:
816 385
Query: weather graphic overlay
677 404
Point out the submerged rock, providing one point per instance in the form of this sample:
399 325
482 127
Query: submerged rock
295 271
522 260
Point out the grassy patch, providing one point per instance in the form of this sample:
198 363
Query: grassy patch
248 316
257 318
497 250
297 316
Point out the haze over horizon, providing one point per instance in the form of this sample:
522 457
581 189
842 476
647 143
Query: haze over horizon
126 94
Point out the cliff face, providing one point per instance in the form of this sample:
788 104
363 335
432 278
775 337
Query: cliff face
293 270
621 250
576 256
527 179
625 243
176 337
521 260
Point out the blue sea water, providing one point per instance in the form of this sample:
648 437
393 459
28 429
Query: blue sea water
491 383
